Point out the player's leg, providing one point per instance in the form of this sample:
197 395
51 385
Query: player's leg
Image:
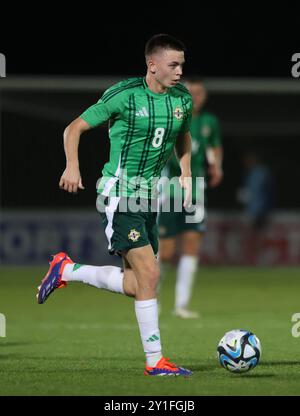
110 278
190 245
63 270
146 269
144 265
102 277
130 283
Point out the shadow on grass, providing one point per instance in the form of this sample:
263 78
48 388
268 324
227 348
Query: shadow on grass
76 359
16 343
63 370
213 366
9 356
204 367
253 375
280 363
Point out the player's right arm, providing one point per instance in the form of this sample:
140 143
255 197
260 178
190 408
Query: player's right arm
71 179
108 106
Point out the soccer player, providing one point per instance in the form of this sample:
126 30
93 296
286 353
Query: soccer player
173 228
148 116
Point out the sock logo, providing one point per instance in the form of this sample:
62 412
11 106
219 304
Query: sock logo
76 266
152 338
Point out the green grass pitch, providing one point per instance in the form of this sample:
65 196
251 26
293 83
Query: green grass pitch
84 341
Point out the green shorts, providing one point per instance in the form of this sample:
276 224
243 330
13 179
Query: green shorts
126 230
173 223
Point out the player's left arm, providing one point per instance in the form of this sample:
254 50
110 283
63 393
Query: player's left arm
214 154
214 157
183 149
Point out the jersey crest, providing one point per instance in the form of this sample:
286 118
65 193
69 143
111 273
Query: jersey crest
134 235
178 113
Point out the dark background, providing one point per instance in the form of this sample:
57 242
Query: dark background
237 42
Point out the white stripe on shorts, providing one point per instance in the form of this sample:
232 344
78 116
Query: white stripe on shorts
109 211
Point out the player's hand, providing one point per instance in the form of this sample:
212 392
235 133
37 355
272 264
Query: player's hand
70 180
186 183
216 175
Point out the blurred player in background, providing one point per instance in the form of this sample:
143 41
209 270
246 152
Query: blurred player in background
257 194
207 156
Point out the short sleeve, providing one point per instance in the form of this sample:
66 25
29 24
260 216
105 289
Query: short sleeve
106 108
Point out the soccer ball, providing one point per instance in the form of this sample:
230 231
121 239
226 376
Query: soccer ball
239 351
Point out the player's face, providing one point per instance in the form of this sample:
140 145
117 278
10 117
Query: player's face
166 66
198 94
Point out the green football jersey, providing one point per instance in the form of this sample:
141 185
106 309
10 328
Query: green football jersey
205 132
143 127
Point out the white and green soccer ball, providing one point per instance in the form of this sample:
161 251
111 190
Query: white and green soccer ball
239 351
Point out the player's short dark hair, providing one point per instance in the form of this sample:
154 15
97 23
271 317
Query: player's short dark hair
163 41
